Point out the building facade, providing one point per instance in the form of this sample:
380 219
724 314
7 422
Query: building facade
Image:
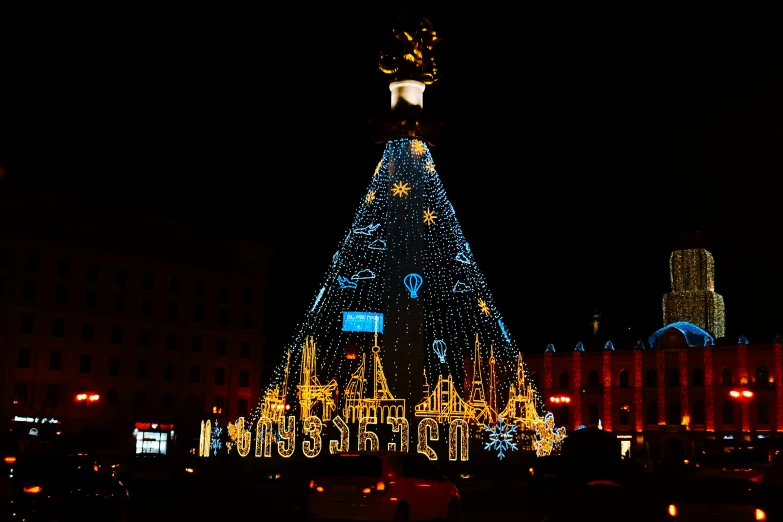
119 319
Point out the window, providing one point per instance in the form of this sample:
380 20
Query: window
114 366
58 327
171 341
223 318
63 268
20 393
220 376
30 290
623 378
244 351
698 412
149 282
198 313
652 412
625 415
728 413
145 338
592 416
52 399
142 369
119 302
88 332
23 358
763 412
200 289
674 377
224 295
32 264
652 379
141 398
173 310
218 404
762 376
146 306
564 420
168 401
592 379
92 273
196 344
247 321
85 363
725 376
55 360
697 377
61 295
121 277
116 334
195 374
241 407
221 348
248 298
168 371
675 415
114 397
26 326
91 299
244 379
174 286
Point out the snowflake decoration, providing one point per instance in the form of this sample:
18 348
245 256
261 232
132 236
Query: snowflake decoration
378 168
430 166
483 305
401 189
215 443
370 197
501 437
418 147
430 217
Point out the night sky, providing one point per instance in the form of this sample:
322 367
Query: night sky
578 144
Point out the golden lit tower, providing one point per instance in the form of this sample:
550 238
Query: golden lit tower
693 298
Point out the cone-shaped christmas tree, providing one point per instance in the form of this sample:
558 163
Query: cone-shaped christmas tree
404 324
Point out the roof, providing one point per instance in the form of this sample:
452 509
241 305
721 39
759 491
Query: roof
694 335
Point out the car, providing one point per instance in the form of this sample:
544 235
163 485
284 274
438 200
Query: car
381 485
65 487
714 496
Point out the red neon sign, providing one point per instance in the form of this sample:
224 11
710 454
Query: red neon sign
154 426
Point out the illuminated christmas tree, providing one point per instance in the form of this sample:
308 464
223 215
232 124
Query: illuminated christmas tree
404 325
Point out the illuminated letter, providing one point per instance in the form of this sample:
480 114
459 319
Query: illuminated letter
207 437
285 447
201 441
341 445
243 438
399 425
433 434
462 426
312 428
365 436
264 437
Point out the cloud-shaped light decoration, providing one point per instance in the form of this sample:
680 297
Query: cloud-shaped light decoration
413 282
460 287
378 244
363 274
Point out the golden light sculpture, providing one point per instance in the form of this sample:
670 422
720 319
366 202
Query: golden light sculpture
693 298
483 306
521 405
311 392
410 53
478 403
382 404
370 197
548 437
444 403
430 217
493 397
274 405
400 189
430 166
418 147
240 436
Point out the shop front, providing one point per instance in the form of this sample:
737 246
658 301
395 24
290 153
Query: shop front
154 438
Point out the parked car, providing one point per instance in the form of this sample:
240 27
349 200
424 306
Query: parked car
63 488
714 496
382 486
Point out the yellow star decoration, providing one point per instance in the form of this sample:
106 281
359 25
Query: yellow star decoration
370 197
483 305
378 168
418 147
430 217
430 166
401 189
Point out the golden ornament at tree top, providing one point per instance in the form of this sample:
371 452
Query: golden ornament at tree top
410 54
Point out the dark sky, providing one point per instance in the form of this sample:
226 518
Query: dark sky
578 143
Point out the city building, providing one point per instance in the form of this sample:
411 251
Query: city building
124 321
685 389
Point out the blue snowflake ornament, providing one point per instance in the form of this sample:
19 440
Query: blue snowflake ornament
215 438
501 437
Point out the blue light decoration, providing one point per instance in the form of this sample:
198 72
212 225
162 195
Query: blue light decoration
503 329
318 298
639 345
462 257
439 347
742 340
581 427
550 348
362 321
460 287
345 282
501 437
609 346
368 230
335 257
694 335
413 282
214 438
378 244
579 347
363 274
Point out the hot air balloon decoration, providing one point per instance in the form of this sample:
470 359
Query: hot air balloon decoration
439 347
413 282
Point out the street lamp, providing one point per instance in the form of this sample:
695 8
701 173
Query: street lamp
741 395
560 400
87 397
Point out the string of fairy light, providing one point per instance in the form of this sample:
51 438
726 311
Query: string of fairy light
405 192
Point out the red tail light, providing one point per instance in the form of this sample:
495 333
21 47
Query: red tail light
380 486
312 484
10 460
32 489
